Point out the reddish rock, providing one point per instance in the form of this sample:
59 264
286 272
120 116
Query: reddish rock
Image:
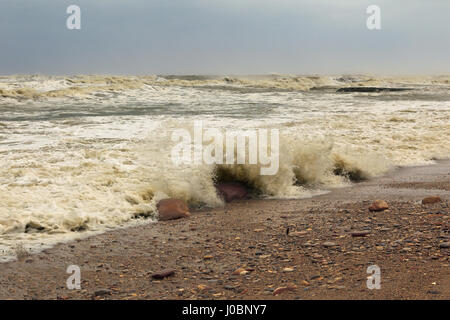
232 191
430 200
170 209
378 205
163 274
279 290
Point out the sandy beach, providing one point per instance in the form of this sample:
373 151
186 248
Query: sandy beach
319 248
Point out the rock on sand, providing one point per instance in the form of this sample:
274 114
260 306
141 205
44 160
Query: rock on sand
170 209
430 200
379 205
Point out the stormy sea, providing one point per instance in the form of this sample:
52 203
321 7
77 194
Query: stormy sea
81 155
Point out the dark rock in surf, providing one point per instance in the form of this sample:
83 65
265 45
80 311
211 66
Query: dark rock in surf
232 191
371 89
170 209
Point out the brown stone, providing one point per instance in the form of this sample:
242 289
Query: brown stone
360 233
240 271
232 191
163 274
378 205
430 200
329 244
170 209
279 290
444 245
102 292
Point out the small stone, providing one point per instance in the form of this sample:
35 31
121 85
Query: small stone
228 287
102 292
379 205
288 269
240 271
163 274
298 233
279 290
444 245
202 287
329 244
360 233
430 200
433 292
305 283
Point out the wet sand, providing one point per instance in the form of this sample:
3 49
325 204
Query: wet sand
306 245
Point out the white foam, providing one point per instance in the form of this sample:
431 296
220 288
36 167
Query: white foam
66 175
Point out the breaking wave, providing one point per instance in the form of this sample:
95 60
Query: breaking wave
85 154
41 87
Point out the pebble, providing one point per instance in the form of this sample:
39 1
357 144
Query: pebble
360 233
280 290
102 292
329 244
228 287
433 292
240 271
444 245
298 233
163 274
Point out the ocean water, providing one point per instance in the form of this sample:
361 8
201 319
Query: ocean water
81 155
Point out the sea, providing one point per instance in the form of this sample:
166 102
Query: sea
84 154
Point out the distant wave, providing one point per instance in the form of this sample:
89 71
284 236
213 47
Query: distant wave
39 87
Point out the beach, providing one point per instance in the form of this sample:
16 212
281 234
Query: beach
316 248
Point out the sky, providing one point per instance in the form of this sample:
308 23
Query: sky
224 37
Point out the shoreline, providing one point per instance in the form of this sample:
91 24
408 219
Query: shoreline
207 248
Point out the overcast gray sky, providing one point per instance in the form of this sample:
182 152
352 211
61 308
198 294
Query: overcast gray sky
224 37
